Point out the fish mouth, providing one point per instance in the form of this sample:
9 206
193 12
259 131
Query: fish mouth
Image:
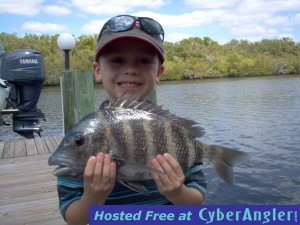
65 167
62 170
68 171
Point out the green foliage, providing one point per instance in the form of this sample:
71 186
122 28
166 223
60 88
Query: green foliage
83 55
190 58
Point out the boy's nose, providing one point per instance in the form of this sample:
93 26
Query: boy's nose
131 69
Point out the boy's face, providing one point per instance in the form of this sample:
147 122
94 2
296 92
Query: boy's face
128 65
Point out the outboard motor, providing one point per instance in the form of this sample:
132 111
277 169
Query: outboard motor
23 73
4 90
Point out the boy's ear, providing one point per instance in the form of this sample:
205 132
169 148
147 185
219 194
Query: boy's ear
160 72
97 73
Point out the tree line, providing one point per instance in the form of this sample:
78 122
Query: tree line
191 58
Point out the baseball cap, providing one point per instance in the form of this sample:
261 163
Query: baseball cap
125 26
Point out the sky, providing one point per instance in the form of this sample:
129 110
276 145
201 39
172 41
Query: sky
220 20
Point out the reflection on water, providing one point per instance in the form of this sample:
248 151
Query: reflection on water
257 115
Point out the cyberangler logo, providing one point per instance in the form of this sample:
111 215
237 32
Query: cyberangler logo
248 215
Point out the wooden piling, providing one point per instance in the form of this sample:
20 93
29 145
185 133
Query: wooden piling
77 89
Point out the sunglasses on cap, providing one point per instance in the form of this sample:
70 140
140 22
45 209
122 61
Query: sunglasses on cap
125 22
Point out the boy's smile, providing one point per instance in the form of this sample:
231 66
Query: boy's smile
129 84
128 65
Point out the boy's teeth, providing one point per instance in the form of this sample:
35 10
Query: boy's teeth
127 84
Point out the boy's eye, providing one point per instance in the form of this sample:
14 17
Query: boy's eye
118 60
145 61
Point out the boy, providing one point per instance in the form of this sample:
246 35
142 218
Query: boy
129 59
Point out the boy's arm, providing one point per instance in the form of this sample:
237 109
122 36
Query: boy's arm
187 196
99 180
171 184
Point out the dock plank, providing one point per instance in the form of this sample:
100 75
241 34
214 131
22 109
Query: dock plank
57 139
9 150
41 146
2 144
20 148
51 144
28 192
53 218
31 148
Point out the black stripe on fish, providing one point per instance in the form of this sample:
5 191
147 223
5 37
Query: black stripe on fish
119 138
198 152
180 139
139 141
159 138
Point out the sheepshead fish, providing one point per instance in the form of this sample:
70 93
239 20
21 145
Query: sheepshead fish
133 133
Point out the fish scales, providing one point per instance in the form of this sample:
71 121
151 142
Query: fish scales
129 139
146 129
133 141
168 138
139 145
149 144
159 138
133 132
198 152
180 141
118 140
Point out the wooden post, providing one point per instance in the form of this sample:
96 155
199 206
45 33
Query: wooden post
77 89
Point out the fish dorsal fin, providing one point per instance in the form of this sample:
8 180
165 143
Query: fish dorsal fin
152 107
132 104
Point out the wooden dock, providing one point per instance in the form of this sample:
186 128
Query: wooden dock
27 187
28 147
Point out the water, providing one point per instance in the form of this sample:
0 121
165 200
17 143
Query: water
257 115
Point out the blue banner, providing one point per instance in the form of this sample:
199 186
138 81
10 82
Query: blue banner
200 214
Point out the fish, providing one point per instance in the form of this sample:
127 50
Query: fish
133 132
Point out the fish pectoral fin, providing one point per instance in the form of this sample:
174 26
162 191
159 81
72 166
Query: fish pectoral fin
134 166
135 187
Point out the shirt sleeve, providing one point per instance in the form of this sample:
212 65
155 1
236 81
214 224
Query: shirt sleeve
69 190
195 178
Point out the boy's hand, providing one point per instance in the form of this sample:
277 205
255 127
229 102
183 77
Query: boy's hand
171 184
99 178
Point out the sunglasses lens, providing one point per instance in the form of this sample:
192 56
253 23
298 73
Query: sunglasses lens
120 23
124 23
152 27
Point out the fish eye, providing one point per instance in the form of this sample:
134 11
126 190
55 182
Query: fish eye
79 140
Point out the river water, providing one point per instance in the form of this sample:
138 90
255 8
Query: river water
258 115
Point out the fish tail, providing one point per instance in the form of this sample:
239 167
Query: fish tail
223 160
